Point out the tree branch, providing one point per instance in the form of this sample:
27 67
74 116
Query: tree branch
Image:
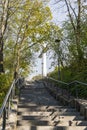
70 15
73 10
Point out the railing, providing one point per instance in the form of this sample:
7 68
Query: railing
68 86
61 82
7 104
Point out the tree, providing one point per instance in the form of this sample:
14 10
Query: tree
3 21
26 34
7 9
75 11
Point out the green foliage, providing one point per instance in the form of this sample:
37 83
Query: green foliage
71 44
68 75
37 77
54 74
5 82
28 28
27 35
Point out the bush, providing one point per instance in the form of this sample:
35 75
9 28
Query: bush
68 75
5 82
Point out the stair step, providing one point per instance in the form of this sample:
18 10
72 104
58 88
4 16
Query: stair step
34 89
60 109
67 118
70 123
75 128
46 107
31 108
26 117
33 122
37 128
52 128
35 113
53 114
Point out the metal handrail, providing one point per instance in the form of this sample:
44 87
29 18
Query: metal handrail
6 99
3 110
78 82
73 82
58 81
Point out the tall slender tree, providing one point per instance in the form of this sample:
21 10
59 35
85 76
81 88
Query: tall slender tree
75 11
3 21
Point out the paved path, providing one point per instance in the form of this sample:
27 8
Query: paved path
38 110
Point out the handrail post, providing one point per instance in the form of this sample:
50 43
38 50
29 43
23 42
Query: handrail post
14 91
62 91
76 90
68 89
8 108
4 119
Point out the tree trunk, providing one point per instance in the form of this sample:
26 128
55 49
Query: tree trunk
4 19
76 28
1 56
17 65
79 50
78 34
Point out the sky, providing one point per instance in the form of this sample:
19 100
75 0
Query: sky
58 11
58 17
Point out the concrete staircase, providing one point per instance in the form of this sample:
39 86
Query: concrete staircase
38 110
